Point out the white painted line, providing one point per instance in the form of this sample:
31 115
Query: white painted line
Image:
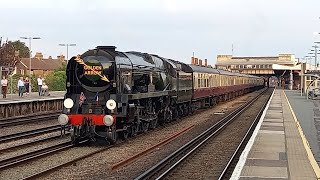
279 124
242 160
263 177
270 132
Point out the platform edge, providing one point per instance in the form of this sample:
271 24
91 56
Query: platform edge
243 157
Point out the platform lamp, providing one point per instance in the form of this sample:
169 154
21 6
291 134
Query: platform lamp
306 58
315 54
67 49
311 53
30 55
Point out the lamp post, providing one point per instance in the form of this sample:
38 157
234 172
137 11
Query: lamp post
316 52
30 55
309 58
67 49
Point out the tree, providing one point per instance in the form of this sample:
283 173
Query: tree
56 80
63 67
24 51
7 55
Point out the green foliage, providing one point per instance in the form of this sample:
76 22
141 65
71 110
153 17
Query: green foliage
34 83
56 81
22 48
12 83
63 67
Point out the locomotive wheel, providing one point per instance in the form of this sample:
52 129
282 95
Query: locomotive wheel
134 130
75 140
153 123
144 126
75 136
124 135
112 136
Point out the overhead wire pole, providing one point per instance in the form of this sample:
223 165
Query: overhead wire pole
316 54
67 49
311 57
232 50
30 56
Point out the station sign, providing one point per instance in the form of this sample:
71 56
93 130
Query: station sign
6 69
313 72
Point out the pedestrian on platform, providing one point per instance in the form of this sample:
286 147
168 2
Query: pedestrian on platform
45 90
40 80
4 86
27 85
21 86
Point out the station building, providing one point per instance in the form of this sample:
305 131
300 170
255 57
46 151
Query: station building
282 70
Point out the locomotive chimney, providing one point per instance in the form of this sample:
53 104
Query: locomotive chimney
192 60
205 62
200 62
196 61
107 48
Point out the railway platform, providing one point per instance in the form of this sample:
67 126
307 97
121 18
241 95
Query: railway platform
14 105
278 148
14 98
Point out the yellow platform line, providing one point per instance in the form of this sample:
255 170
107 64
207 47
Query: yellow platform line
312 160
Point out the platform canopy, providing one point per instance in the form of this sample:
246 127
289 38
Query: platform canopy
282 67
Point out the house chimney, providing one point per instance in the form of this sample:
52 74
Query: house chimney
205 62
39 55
61 57
200 62
192 60
196 61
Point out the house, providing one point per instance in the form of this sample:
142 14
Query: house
39 65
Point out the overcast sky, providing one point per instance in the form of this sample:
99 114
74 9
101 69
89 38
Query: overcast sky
169 28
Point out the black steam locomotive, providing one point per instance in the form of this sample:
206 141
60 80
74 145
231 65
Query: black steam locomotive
112 94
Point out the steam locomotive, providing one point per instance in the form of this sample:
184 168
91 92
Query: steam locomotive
112 94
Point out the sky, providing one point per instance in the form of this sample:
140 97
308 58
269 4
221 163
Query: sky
170 28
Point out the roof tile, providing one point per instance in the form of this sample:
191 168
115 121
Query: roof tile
42 64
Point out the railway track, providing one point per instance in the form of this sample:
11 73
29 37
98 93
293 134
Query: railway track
34 154
167 165
54 168
13 121
34 132
33 142
227 171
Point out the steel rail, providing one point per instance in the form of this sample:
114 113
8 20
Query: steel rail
27 119
195 143
29 133
34 142
34 154
243 141
59 166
